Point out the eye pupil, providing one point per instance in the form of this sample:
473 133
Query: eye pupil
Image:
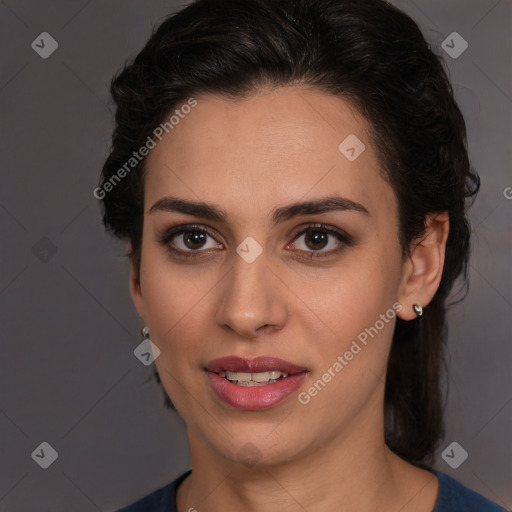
194 239
318 237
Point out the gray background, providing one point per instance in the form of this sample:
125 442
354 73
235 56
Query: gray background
68 375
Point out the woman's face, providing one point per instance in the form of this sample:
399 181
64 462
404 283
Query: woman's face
257 283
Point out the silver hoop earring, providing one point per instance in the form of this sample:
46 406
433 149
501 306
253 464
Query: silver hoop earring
145 331
418 310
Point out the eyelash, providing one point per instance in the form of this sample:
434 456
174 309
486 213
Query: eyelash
344 238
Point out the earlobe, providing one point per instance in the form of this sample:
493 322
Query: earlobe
424 267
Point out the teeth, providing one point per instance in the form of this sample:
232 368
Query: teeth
253 379
240 376
252 383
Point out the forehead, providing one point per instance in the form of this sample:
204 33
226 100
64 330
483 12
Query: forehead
265 149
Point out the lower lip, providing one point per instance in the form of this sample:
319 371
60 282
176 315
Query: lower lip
255 397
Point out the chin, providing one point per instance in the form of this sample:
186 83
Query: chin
265 448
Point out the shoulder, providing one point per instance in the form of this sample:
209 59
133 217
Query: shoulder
160 500
453 496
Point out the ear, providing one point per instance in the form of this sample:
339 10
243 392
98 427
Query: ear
423 268
136 292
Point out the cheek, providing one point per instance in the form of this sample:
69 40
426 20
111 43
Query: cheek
165 294
353 297
176 303
356 308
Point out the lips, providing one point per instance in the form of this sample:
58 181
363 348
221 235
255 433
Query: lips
254 398
256 365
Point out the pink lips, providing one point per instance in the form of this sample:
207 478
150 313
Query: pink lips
258 364
254 397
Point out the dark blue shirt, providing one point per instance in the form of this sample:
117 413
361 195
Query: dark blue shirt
452 497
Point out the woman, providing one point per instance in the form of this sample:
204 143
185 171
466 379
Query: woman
292 178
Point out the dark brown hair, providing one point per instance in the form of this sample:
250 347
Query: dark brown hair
371 54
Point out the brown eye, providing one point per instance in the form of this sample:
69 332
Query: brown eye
319 241
187 240
194 239
316 239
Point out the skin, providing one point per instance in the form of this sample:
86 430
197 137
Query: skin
249 156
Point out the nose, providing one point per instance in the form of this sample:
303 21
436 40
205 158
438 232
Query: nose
253 299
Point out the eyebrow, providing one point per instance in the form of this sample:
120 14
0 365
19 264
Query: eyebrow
281 214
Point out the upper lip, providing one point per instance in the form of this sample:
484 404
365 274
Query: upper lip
255 365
